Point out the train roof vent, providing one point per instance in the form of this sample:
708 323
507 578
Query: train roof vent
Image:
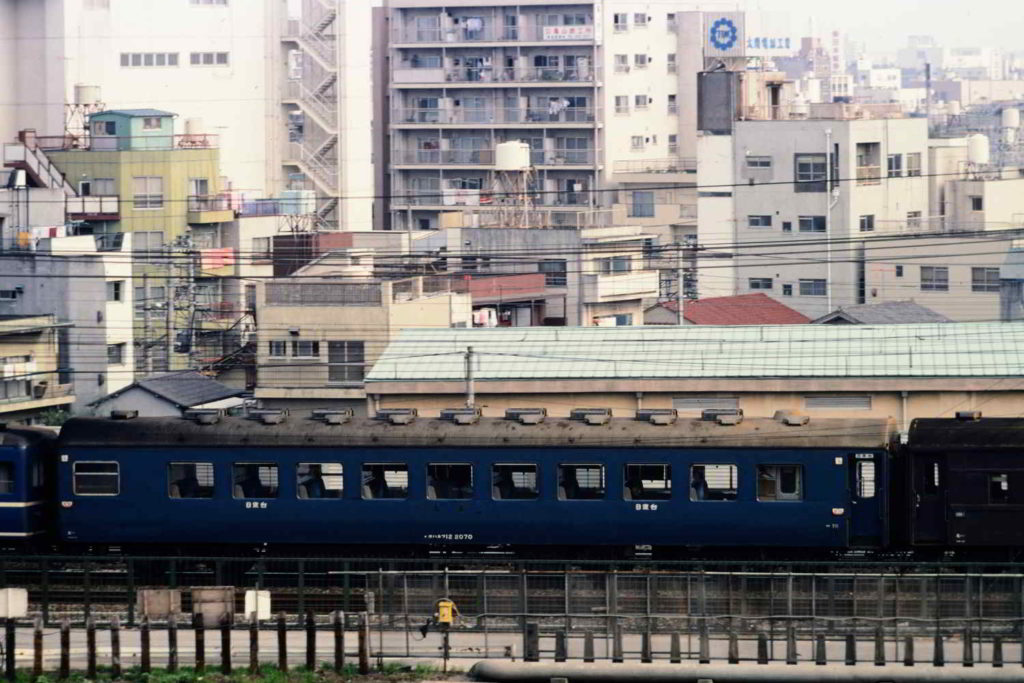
791 418
397 416
123 414
592 416
269 416
968 415
712 414
334 416
526 416
461 416
730 419
658 416
203 416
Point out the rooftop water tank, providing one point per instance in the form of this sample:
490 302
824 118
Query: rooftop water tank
512 156
1011 118
977 149
87 94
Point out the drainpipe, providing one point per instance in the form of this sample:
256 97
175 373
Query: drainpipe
905 422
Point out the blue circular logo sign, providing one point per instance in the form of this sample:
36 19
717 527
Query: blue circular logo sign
723 34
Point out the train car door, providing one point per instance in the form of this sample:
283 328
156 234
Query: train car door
929 499
866 499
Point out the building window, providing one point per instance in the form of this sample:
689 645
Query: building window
305 349
622 63
647 482
670 61
277 349
190 480
810 172
636 142
449 481
151 123
869 155
914 165
115 354
837 402
759 162
640 19
149 59
673 144
621 21
555 272
813 287
382 481
208 59
148 192
759 283
899 271
96 479
779 482
867 223
642 205
147 246
641 101
319 480
913 220
759 221
97 186
977 203
712 482
811 223
894 165
581 482
115 290
621 104
673 105
614 264
934 279
254 480
787 290
345 361
984 279
262 248
640 61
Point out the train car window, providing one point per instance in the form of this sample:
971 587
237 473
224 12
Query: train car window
514 482
999 488
190 480
647 482
865 479
6 477
580 482
254 480
319 480
779 482
449 481
38 474
713 482
385 480
96 478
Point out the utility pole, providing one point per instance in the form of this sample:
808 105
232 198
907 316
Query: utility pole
169 313
680 294
470 388
147 357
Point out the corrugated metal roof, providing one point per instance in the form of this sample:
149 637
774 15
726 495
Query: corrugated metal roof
921 350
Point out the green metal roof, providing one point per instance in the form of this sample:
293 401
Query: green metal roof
988 349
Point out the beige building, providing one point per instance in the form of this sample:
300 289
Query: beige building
33 380
323 327
895 371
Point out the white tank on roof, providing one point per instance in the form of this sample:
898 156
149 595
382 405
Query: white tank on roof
87 94
977 149
1011 118
512 156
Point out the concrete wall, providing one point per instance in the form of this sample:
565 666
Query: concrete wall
31 66
146 403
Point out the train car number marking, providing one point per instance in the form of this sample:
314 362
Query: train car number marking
645 507
448 537
255 505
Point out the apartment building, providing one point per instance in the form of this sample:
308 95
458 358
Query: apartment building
592 88
32 379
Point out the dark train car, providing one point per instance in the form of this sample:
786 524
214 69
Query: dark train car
562 483
966 479
25 503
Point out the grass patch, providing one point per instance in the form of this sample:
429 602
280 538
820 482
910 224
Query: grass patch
268 674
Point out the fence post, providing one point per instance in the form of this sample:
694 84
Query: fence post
172 643
734 646
115 648
908 651
90 648
364 644
703 647
791 643
282 643
65 648
938 654
338 621
199 630
310 642
820 650
675 649
588 646
37 648
254 645
225 645
762 647
851 649
531 643
997 652
144 664
561 650
880 646
9 663
645 648
968 647
617 654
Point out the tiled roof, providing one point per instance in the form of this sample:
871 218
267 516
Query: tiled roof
970 350
745 309
184 389
886 313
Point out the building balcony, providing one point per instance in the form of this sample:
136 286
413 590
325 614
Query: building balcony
831 111
39 393
485 157
209 209
533 32
869 175
93 208
653 170
603 287
486 75
481 117
110 143
497 289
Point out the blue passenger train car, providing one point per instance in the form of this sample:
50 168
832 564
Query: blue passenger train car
494 482
25 505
